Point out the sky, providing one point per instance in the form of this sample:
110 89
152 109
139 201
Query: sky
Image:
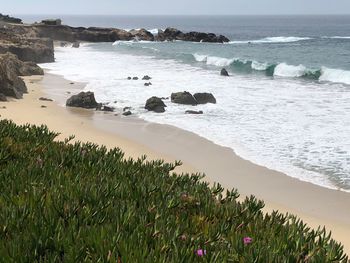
178 7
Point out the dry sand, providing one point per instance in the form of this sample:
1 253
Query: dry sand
316 205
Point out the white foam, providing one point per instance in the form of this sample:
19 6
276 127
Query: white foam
259 66
335 75
338 37
272 40
285 70
214 61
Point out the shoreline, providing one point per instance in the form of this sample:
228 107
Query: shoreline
314 204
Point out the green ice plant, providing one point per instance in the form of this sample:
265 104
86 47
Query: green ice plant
80 202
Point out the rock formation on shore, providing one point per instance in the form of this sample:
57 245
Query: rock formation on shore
10 69
155 104
83 100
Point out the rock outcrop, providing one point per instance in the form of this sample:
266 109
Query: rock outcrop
171 34
203 98
10 83
83 100
183 98
39 50
142 34
155 104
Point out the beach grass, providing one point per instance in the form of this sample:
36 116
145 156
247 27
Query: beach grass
80 202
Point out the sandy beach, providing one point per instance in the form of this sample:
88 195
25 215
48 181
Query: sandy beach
316 205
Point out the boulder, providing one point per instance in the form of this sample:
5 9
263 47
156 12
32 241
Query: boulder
10 83
155 104
2 97
107 108
146 77
193 112
142 34
183 98
224 72
203 98
127 113
52 22
135 78
83 100
30 68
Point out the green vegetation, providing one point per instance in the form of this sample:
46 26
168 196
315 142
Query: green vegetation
62 202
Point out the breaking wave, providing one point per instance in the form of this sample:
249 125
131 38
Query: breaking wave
277 70
272 40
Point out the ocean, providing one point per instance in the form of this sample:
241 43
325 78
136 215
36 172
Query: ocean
286 104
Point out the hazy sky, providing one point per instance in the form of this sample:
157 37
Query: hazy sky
165 7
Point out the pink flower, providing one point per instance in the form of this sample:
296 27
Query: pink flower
201 252
247 240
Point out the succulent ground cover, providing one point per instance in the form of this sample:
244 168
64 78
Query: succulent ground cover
73 202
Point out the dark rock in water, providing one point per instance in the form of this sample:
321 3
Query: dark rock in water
142 34
45 99
146 84
183 98
9 19
127 113
135 78
2 97
107 108
52 22
72 83
10 84
63 44
126 108
224 72
203 98
43 106
129 78
193 112
146 77
171 34
76 44
155 104
83 100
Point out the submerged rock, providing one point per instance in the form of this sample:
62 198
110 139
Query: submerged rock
127 113
203 98
183 98
146 77
83 100
155 104
193 112
224 72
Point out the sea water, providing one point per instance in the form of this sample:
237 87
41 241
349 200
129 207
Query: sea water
286 104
